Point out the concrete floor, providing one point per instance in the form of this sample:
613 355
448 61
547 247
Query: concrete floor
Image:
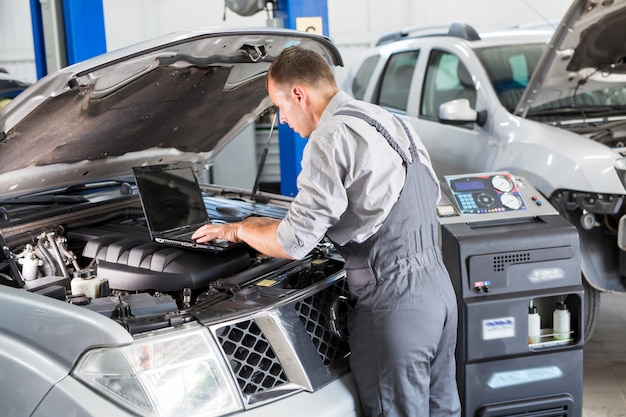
604 371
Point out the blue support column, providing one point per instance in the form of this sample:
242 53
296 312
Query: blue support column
291 11
303 15
66 32
84 29
38 40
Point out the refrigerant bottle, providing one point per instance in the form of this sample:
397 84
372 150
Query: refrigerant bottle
561 321
534 324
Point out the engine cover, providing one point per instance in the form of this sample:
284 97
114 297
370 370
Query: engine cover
137 265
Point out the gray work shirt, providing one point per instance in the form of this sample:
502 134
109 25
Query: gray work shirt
350 179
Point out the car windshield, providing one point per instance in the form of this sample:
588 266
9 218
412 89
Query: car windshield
510 67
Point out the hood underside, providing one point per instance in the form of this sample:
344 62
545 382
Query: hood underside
167 107
587 52
602 44
180 97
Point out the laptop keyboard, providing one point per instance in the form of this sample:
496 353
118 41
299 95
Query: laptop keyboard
186 237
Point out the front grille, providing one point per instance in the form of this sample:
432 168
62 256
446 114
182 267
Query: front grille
251 357
314 313
269 354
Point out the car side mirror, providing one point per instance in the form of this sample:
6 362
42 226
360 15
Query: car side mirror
460 112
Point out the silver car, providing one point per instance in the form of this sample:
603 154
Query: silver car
101 320
545 104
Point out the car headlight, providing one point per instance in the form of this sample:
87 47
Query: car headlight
620 168
176 373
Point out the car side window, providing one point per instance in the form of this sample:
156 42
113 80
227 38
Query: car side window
446 78
363 76
396 81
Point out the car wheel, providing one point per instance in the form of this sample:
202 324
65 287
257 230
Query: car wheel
592 306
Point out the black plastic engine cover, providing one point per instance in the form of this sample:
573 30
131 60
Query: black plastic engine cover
137 265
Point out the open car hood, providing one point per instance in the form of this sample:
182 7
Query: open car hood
587 51
178 97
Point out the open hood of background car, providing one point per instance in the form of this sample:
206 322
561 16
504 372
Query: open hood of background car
179 97
587 50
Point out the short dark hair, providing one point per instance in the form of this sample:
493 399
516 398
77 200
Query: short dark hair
296 64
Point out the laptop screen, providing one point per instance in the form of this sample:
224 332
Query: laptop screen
170 196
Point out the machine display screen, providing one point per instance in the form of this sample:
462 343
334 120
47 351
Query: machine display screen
472 185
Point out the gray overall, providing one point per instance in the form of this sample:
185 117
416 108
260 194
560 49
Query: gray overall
402 318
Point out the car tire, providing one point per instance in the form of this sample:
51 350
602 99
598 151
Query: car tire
592 307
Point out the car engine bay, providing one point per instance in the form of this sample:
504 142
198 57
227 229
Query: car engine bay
91 248
281 324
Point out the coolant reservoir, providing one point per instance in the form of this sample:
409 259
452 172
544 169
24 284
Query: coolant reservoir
86 282
30 264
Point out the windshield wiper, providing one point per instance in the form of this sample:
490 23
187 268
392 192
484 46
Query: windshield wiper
605 129
585 111
46 199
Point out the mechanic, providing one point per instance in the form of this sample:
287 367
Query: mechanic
368 185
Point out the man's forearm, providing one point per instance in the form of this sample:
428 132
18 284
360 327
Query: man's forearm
261 234
258 232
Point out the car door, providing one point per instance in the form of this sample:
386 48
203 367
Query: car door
453 148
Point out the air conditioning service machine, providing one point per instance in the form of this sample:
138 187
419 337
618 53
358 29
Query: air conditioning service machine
515 266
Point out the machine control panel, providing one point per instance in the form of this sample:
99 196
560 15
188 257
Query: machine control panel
486 193
489 196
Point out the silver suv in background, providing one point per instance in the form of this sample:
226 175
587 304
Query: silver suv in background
543 103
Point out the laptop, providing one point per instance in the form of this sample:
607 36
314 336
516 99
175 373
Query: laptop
173 205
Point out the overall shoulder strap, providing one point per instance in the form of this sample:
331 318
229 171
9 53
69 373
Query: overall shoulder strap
385 133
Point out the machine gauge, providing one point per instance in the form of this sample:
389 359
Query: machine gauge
502 183
511 201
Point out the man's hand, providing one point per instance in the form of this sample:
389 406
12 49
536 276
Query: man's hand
258 232
210 231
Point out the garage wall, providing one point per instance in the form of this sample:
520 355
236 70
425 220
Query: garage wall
132 21
16 39
354 25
